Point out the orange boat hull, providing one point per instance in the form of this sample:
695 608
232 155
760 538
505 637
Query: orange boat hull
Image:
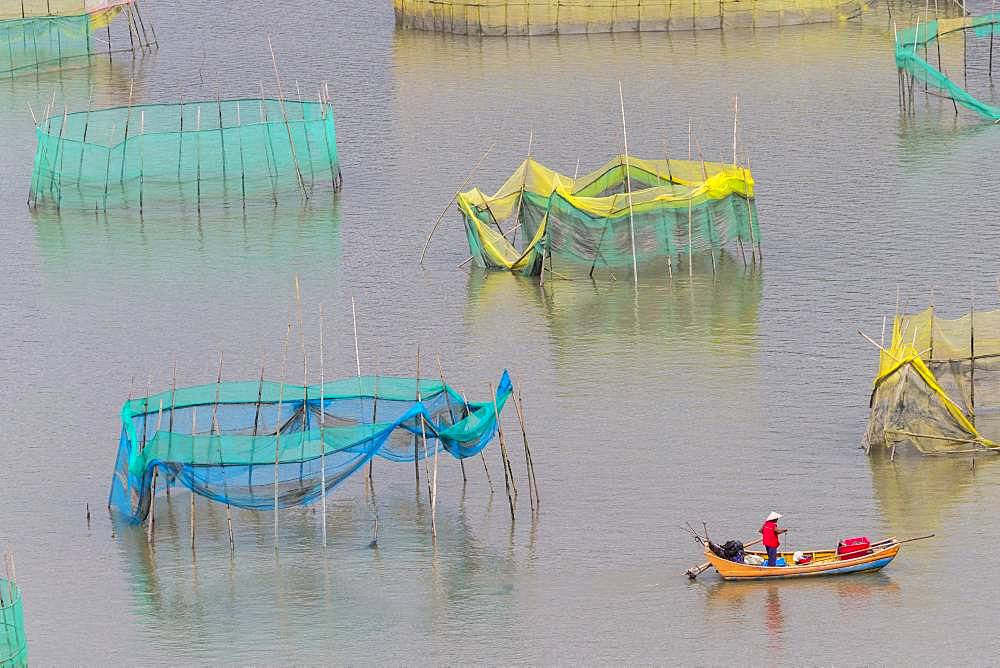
825 562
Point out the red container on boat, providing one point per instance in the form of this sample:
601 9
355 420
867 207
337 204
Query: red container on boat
851 548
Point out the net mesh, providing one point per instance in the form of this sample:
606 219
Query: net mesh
246 443
13 642
925 36
938 384
220 150
677 207
539 17
34 34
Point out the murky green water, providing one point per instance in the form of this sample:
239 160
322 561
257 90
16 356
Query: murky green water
701 399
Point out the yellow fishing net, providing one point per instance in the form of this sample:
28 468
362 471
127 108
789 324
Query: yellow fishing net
541 17
628 208
938 384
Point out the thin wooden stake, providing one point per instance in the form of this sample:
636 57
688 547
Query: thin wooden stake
278 426
322 420
628 186
451 413
305 377
288 127
217 431
503 450
489 478
194 429
437 222
527 453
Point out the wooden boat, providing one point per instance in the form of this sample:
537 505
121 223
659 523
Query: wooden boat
824 562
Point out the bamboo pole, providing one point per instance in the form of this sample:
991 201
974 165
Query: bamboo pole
194 429
437 222
532 484
423 440
322 421
278 426
86 127
239 140
690 236
451 413
305 134
305 377
489 478
708 208
736 118
256 424
142 147
288 127
503 457
269 158
170 420
628 186
357 360
217 431
128 117
993 11
151 524
222 137
197 145
972 358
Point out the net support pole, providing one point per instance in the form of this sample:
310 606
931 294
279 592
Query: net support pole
503 453
256 423
357 360
930 349
628 186
454 197
972 358
322 424
326 113
197 146
269 159
216 431
708 206
222 139
278 425
194 428
532 486
83 142
993 24
305 135
142 146
170 420
151 523
416 454
243 169
423 439
305 378
451 413
482 457
288 127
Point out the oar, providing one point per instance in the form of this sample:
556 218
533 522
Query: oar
900 542
695 571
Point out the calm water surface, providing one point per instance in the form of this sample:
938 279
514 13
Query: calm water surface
684 400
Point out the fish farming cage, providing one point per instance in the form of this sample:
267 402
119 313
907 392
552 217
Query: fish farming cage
629 210
13 642
199 152
263 445
42 34
938 385
920 65
544 17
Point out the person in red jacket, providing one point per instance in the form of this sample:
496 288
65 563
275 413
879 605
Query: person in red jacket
770 531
